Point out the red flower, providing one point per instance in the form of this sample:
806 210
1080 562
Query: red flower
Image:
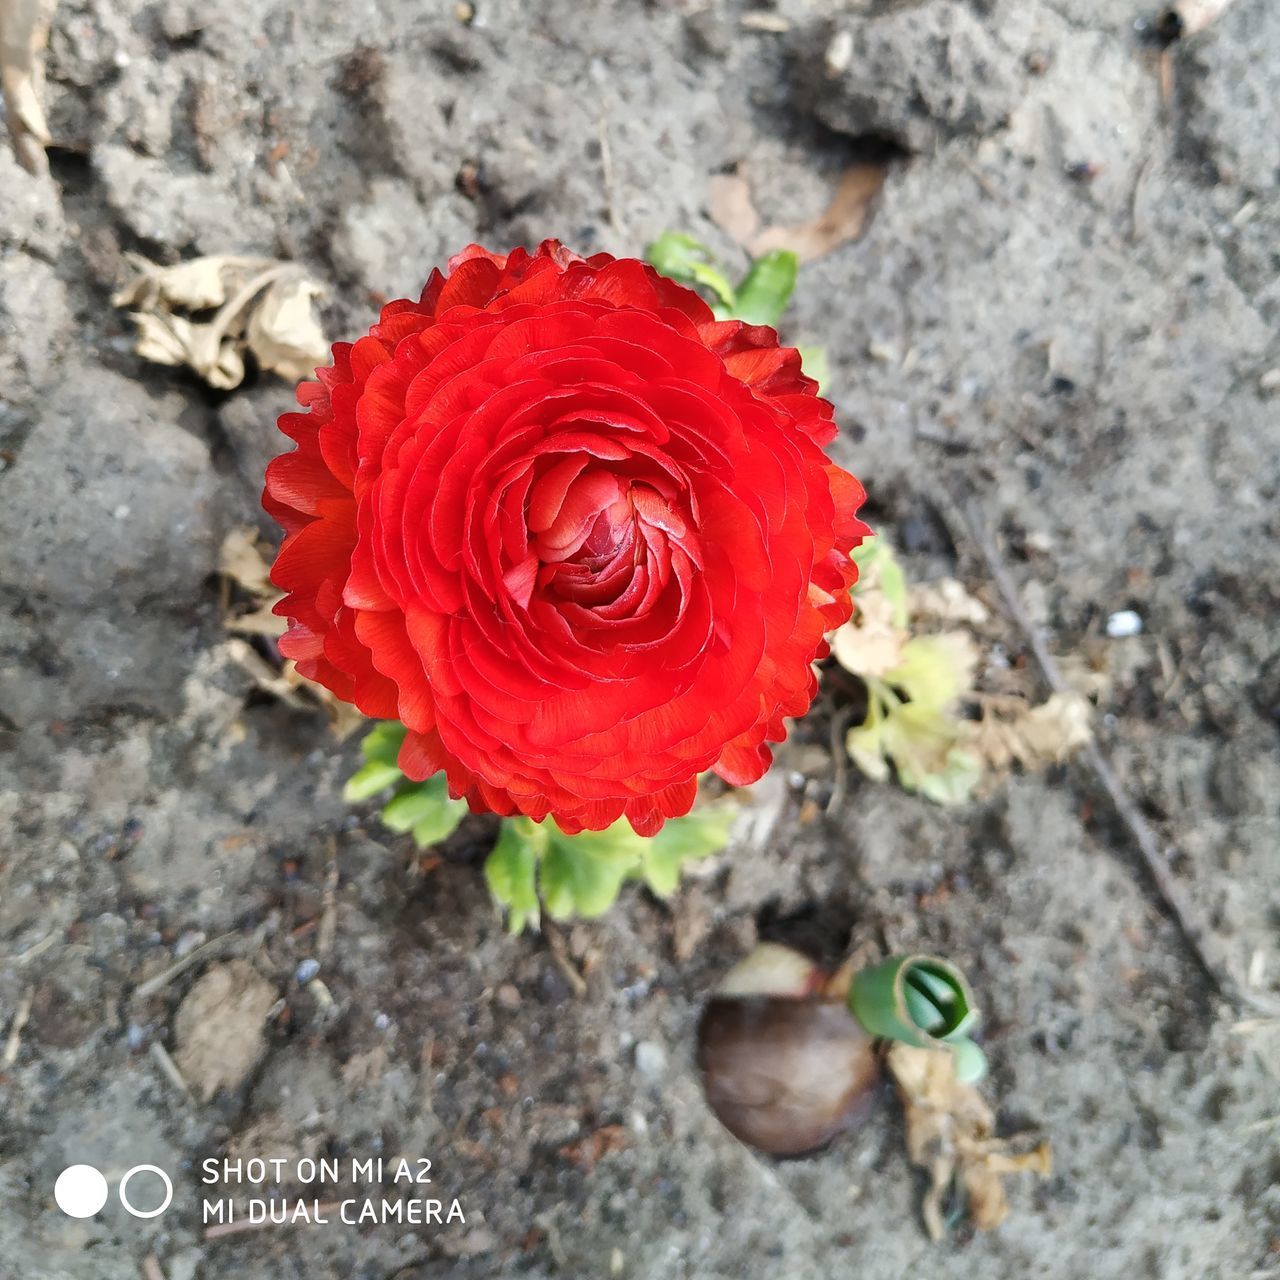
578 535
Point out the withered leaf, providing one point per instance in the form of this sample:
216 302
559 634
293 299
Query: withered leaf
24 31
263 306
844 219
949 1133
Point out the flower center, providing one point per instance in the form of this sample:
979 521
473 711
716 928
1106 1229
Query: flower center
604 543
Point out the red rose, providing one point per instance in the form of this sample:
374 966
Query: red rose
577 534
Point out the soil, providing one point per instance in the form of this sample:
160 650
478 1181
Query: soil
1066 311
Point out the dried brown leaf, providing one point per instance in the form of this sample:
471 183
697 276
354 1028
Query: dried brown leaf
869 644
844 219
949 1133
730 207
241 559
262 306
24 32
1034 737
283 333
946 600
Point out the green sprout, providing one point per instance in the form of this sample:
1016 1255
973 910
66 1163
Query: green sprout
922 1001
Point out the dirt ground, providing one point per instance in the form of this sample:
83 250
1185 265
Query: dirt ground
1066 310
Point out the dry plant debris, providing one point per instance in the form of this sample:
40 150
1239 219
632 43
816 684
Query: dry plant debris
921 683
218 1030
245 569
949 1133
846 218
258 305
24 31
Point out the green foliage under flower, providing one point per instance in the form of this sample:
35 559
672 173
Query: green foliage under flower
534 866
760 297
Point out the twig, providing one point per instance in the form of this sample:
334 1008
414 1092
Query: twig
560 954
151 1268
169 1068
14 1042
606 172
162 980
839 727
329 910
1169 890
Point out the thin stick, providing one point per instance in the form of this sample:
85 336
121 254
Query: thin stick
560 954
20 1016
329 909
162 980
1173 895
169 1068
151 1268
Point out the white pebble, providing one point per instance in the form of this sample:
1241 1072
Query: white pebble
1124 623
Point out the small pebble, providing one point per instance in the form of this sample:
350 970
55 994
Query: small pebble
306 970
1124 623
651 1059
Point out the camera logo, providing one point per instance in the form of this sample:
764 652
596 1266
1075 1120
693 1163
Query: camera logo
81 1191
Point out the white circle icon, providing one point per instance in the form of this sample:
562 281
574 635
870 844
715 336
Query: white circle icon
80 1191
168 1191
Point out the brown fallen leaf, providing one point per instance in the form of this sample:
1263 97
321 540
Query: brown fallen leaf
218 1031
949 1133
243 565
24 32
845 218
263 306
870 644
730 207
1012 731
946 600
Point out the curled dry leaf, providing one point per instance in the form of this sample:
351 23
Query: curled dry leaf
24 31
846 218
1012 732
263 306
949 1133
947 600
242 564
870 644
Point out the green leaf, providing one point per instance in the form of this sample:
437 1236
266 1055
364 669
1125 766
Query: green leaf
511 871
681 257
583 874
925 745
425 809
681 840
765 290
369 780
935 670
383 741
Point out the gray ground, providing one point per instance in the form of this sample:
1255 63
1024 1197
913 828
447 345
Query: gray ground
1089 359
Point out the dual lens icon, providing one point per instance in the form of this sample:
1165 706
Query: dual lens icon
81 1191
